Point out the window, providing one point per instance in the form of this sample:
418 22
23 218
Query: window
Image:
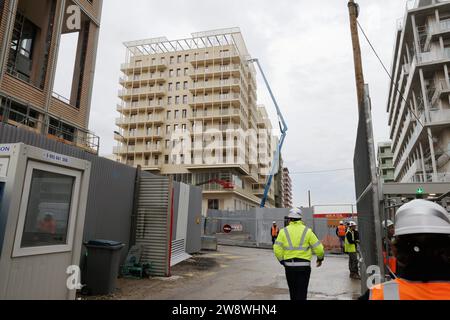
176 113
178 86
178 72
183 128
175 127
185 99
171 60
169 101
186 58
179 59
167 129
186 71
184 114
22 44
185 85
48 210
167 144
177 100
170 86
171 73
168 115
166 159
213 204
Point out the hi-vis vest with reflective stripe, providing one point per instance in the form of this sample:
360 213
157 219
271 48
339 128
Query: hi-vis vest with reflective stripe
349 248
400 289
297 241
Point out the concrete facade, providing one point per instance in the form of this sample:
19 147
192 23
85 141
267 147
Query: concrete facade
418 103
287 189
30 36
189 110
385 162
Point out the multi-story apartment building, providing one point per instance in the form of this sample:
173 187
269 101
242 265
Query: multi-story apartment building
385 162
30 35
418 104
287 189
189 110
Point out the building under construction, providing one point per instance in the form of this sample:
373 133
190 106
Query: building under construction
30 37
189 110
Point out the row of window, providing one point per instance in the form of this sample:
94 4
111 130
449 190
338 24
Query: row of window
181 59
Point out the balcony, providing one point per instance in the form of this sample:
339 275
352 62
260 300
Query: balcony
439 117
142 80
140 134
130 68
225 113
211 130
218 71
127 94
433 56
216 85
139 120
217 57
230 98
127 108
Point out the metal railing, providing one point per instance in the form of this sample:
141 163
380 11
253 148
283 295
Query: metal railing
80 138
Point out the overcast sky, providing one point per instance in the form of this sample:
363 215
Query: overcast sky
305 48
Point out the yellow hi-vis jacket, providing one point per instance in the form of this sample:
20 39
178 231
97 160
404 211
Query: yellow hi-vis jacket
297 241
350 247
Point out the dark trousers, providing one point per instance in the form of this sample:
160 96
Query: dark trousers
273 240
298 282
353 262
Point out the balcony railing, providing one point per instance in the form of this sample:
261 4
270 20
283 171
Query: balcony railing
138 119
216 113
217 69
141 91
218 98
213 84
433 56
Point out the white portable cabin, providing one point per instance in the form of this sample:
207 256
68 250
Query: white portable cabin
43 197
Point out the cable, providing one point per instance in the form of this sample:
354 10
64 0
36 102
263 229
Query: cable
399 92
320 171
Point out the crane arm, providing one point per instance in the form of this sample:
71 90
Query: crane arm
283 129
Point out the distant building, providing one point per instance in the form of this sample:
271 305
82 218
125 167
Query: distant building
385 162
30 35
287 189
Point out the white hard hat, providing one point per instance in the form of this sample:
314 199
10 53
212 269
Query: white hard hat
421 216
274 222
387 224
295 213
352 224
341 222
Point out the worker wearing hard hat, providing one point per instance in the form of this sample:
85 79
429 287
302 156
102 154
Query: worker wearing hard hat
422 242
389 259
294 249
341 231
274 232
350 246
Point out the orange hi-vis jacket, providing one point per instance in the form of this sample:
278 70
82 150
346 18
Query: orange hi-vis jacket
391 262
342 230
400 289
275 231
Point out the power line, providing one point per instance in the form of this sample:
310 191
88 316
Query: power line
321 171
399 92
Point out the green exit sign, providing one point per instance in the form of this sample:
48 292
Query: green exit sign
420 190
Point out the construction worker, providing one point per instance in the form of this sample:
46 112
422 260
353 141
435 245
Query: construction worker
388 257
341 231
294 249
422 242
350 246
274 232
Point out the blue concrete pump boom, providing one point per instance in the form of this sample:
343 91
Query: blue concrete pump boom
283 129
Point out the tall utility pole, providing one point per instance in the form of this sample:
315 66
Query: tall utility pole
353 9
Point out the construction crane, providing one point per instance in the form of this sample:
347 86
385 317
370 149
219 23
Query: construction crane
283 129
